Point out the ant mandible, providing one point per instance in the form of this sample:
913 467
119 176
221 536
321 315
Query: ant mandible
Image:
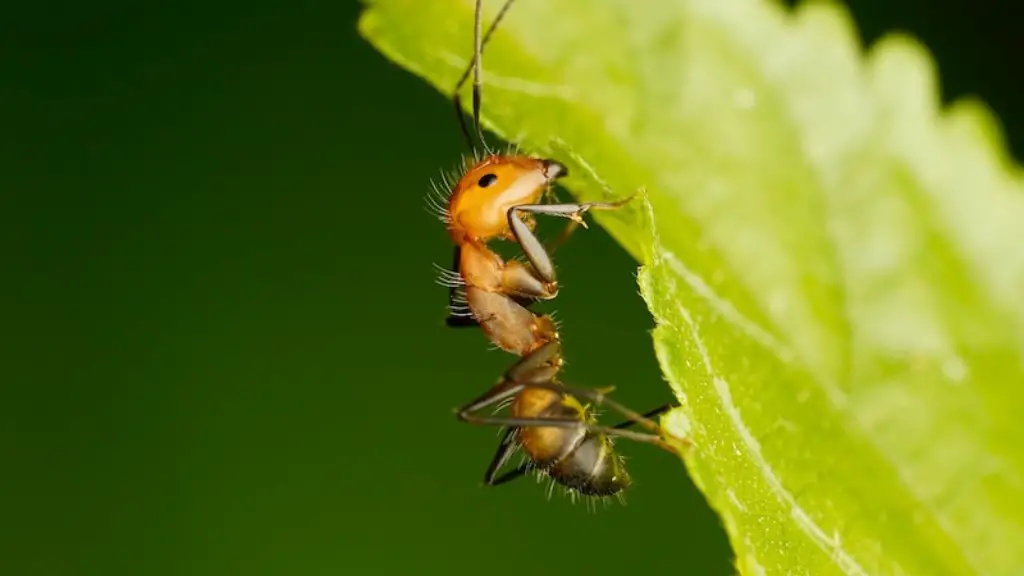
498 198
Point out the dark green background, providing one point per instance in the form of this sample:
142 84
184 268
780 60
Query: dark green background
225 350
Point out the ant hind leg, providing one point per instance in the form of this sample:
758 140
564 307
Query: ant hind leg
537 371
508 389
600 398
505 449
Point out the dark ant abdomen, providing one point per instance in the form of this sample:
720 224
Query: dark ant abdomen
592 468
578 459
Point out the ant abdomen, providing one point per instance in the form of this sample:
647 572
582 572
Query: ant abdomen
592 468
577 458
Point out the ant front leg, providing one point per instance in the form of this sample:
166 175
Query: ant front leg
535 252
517 282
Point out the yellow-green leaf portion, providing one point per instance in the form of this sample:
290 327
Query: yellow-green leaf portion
836 264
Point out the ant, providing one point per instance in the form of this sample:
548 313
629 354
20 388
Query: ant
498 198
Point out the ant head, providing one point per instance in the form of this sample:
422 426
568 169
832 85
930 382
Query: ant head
498 174
483 195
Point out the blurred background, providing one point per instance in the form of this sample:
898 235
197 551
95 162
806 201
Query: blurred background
225 351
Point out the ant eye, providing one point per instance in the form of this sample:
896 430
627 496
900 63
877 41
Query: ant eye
486 180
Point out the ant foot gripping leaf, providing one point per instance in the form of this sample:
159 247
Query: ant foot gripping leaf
835 262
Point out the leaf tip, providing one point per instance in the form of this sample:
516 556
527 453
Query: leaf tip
368 21
975 121
831 20
902 70
904 73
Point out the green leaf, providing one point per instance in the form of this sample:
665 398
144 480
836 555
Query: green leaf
835 263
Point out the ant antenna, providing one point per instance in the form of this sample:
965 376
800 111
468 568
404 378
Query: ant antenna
475 67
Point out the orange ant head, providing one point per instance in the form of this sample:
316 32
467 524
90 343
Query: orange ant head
481 199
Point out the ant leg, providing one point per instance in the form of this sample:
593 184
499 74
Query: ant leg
507 389
457 318
650 415
509 476
555 243
538 366
569 423
457 298
535 371
453 290
532 247
566 423
474 66
504 451
598 397
453 321
518 280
